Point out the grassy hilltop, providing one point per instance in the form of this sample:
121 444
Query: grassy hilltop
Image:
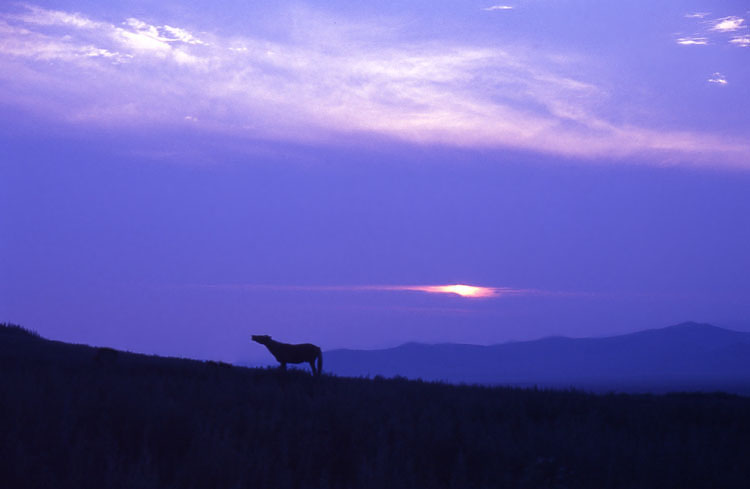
73 416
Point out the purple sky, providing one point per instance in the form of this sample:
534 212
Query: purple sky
174 179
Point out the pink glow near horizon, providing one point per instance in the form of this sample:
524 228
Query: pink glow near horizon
462 290
459 289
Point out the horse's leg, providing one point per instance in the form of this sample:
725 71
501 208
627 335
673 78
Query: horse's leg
312 366
283 366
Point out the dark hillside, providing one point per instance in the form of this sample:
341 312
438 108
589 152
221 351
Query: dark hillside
73 416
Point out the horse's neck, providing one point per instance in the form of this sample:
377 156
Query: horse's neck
274 346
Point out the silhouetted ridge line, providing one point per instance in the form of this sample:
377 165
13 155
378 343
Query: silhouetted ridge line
684 356
129 420
10 329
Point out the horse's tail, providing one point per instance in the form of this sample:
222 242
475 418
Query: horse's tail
319 358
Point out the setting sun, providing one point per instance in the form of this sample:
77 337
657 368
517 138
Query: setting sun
460 289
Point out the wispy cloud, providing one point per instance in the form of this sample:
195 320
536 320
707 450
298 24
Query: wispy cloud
729 24
718 79
498 7
322 82
39 16
712 30
742 41
461 290
688 41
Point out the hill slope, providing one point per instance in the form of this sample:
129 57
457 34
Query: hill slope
688 355
73 416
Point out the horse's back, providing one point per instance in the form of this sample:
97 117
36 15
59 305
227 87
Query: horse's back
303 352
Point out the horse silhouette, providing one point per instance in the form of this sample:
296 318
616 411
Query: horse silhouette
286 353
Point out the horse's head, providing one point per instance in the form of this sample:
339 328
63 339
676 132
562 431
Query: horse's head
263 339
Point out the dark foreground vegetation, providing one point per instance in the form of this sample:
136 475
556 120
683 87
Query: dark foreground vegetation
73 416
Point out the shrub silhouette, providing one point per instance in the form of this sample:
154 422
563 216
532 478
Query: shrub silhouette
14 330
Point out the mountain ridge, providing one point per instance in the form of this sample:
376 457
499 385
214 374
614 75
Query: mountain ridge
693 354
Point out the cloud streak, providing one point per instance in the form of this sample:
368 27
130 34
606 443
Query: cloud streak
729 24
322 84
714 30
690 41
718 79
498 7
460 290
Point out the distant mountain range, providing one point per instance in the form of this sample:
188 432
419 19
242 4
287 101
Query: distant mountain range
688 356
